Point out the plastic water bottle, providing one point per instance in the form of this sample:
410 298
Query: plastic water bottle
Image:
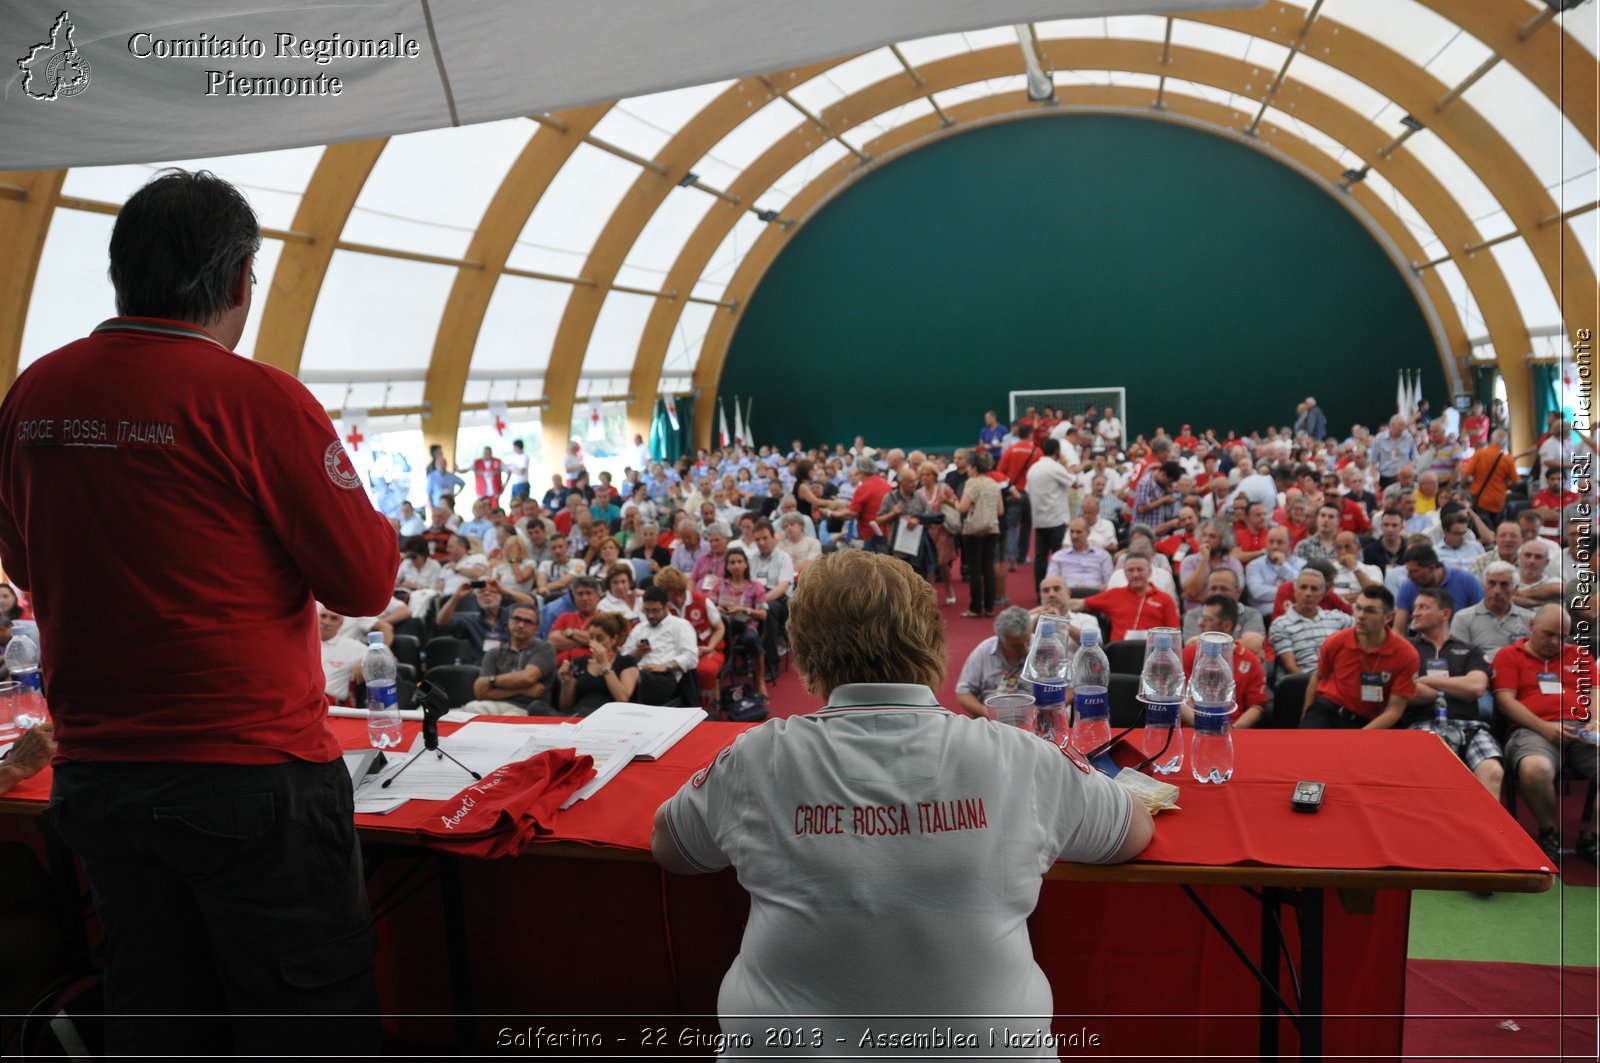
22 661
1161 690
383 706
1441 720
1046 669
1091 698
1211 691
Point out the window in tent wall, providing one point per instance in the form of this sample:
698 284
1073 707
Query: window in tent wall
478 430
607 444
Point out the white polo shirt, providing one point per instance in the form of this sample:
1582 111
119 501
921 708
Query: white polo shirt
893 851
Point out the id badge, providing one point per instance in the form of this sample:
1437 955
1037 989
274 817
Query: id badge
490 645
1438 669
1372 688
1549 682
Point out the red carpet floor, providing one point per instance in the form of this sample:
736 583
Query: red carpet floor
1461 1010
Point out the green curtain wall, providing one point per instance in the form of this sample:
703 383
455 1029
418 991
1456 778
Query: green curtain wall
1077 251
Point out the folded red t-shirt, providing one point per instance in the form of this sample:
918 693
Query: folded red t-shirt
501 814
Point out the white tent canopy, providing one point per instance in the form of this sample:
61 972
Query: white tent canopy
121 80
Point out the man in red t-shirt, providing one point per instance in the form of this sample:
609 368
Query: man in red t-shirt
1014 464
569 633
864 504
1221 613
1138 607
1185 440
1250 537
489 473
1544 685
1365 674
197 777
1555 495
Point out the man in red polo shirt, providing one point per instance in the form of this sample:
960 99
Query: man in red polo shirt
569 633
1014 464
1365 674
1185 440
1136 608
866 502
1221 613
1544 685
1250 537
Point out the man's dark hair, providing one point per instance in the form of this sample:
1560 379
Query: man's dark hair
587 581
1322 566
517 443
1338 511
1392 512
179 246
657 595
1023 431
1227 608
1378 592
1172 471
1050 447
1283 474
465 542
1422 555
763 524
1458 517
1441 597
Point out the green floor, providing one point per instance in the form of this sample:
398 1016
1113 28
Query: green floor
1555 927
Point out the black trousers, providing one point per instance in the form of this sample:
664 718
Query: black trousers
1046 541
774 628
979 554
656 688
232 893
1324 714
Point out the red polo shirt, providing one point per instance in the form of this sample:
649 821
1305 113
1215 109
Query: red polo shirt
1250 541
1517 669
1017 460
1353 517
1129 612
866 502
1249 676
1344 666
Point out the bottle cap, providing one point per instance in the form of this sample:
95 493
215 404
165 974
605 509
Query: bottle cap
1161 641
1089 636
1047 627
1210 649
374 638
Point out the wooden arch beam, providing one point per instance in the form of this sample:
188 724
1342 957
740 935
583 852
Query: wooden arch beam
27 203
1555 61
1475 141
303 266
699 135
526 181
1235 76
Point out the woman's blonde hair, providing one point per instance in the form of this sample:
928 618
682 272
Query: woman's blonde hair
859 617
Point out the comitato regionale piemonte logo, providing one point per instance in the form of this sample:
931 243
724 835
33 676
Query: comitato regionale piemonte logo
55 69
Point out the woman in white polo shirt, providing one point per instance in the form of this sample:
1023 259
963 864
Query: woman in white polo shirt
892 849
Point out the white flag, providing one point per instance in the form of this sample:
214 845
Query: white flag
501 417
722 422
352 423
672 411
597 430
1402 396
738 424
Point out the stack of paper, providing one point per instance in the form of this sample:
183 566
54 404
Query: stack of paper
657 728
613 735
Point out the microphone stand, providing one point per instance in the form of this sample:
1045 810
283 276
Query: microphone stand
434 704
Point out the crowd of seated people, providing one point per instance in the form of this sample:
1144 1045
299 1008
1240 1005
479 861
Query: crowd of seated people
1415 544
